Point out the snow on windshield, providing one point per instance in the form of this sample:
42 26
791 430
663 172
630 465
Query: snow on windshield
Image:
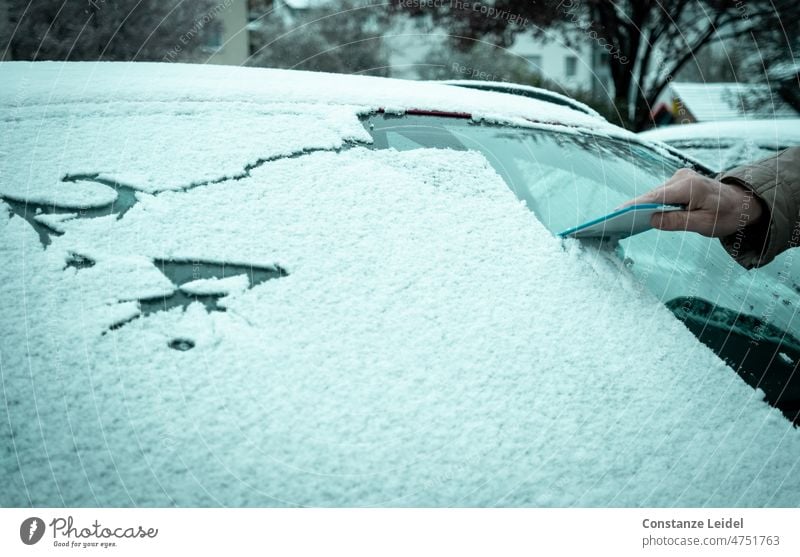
429 343
216 286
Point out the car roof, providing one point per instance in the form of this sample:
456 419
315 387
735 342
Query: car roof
70 82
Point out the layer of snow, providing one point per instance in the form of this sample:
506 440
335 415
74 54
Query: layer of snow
724 145
720 158
154 146
772 132
432 344
43 83
126 277
216 286
23 179
54 221
156 127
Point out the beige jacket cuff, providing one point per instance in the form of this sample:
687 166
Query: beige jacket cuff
776 183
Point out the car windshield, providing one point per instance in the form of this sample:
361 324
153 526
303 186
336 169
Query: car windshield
567 177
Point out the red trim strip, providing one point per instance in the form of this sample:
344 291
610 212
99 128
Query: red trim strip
467 115
442 113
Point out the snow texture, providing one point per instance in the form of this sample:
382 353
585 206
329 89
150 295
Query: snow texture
104 82
725 145
24 183
775 132
432 345
68 126
53 221
216 287
153 146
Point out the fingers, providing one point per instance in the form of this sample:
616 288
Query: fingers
678 190
674 220
700 195
701 221
671 193
648 197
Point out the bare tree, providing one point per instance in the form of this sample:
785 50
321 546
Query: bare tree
347 39
110 29
660 39
716 63
648 41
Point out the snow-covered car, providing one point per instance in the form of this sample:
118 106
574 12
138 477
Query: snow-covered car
248 287
727 144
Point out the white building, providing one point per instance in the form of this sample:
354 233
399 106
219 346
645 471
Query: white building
231 43
582 68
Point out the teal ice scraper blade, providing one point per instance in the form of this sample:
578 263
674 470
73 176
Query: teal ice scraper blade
620 223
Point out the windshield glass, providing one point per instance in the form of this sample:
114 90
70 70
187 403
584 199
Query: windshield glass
567 177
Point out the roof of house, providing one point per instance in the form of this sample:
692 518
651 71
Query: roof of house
731 101
306 4
785 70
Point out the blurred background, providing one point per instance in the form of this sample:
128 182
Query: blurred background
641 64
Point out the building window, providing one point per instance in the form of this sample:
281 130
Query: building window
571 66
214 36
535 60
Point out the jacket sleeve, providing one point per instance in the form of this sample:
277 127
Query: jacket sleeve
776 183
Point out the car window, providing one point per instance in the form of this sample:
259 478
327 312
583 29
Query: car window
567 177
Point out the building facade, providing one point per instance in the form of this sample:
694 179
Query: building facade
583 67
230 42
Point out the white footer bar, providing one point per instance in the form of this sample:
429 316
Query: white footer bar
400 532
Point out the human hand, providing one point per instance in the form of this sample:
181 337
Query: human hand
712 208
